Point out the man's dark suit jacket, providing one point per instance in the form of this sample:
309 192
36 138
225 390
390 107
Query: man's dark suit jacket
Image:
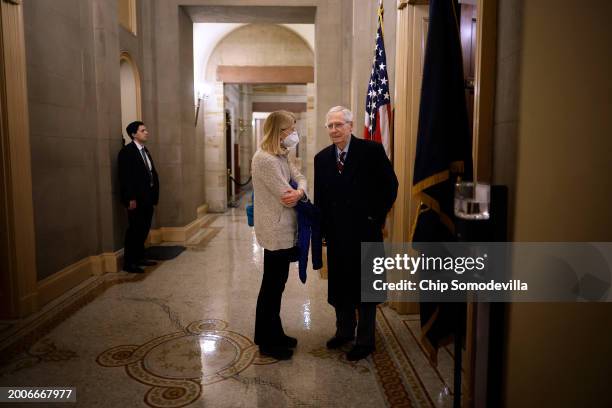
353 207
134 177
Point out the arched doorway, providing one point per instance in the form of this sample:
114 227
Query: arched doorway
130 93
272 73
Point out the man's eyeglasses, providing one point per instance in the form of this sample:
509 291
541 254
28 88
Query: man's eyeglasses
331 126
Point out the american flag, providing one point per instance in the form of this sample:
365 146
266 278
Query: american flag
378 102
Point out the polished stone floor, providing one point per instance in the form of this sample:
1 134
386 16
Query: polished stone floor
182 335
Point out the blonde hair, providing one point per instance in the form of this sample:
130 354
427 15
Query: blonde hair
275 123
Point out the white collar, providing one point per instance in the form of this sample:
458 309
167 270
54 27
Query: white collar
345 150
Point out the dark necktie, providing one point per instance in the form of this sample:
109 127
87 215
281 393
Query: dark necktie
340 162
144 157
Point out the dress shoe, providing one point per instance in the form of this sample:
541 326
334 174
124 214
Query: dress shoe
144 262
358 352
133 269
337 342
289 342
278 353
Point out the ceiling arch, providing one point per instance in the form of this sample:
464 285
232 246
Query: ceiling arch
268 45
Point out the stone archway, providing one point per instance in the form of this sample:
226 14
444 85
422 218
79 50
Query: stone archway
274 55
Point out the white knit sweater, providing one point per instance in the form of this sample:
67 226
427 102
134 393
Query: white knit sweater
275 223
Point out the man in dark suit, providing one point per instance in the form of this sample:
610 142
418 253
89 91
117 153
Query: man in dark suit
139 187
355 187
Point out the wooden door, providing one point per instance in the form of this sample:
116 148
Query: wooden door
413 21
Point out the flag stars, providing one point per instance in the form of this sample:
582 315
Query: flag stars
377 98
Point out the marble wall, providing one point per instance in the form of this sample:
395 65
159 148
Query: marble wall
214 150
75 122
73 51
365 23
181 189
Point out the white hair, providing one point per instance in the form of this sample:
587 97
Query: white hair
346 112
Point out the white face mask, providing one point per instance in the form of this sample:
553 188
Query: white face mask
291 141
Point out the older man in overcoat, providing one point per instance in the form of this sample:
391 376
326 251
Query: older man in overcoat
355 187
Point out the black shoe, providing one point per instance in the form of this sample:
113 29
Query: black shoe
144 262
133 269
278 353
358 352
289 342
337 342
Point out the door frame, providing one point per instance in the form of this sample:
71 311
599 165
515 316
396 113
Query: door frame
17 240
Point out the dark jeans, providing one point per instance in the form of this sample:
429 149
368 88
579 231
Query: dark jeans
139 223
268 327
346 322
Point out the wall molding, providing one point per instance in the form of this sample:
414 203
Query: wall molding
178 234
62 281
202 210
175 234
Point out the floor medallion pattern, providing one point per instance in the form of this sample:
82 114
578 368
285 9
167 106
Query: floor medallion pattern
178 364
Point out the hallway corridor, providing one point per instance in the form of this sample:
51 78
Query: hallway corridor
181 335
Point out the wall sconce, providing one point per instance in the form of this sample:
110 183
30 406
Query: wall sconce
202 91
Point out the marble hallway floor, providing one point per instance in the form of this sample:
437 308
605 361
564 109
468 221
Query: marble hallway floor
182 335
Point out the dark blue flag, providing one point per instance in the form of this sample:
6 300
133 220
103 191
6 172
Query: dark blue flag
443 154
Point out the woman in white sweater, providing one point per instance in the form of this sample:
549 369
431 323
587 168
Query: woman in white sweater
275 228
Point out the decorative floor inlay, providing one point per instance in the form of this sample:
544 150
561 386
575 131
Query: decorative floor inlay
389 377
178 364
43 351
405 366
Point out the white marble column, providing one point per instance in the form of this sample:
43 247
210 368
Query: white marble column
214 147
